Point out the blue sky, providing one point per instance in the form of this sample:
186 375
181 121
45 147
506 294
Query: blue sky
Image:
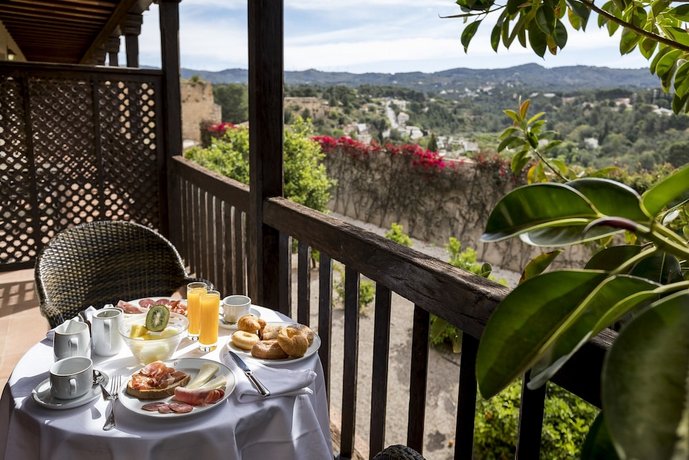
362 36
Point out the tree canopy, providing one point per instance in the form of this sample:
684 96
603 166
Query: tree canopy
654 28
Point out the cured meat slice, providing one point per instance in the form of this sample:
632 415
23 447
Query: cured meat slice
165 409
153 407
145 303
130 308
180 407
199 396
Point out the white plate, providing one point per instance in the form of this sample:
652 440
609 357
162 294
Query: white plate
41 394
225 325
191 366
313 348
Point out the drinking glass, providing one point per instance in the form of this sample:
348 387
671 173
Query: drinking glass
194 291
210 310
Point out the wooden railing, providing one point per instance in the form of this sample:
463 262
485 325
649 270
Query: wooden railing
433 286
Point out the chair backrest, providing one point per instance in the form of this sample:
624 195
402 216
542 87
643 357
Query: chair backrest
103 262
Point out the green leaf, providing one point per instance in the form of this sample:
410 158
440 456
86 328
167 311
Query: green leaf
664 49
560 34
584 323
598 444
524 108
610 258
523 322
535 117
660 267
545 19
495 37
628 41
647 46
537 206
678 103
671 190
513 115
538 264
644 384
681 12
581 10
519 160
611 198
537 39
612 27
565 235
682 80
468 33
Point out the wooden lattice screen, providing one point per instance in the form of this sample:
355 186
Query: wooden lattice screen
76 144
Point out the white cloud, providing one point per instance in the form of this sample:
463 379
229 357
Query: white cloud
361 35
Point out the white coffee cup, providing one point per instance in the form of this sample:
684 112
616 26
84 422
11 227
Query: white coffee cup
234 306
72 338
71 378
105 329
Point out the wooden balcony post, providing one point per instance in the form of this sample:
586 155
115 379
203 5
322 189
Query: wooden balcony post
172 118
132 30
113 48
266 65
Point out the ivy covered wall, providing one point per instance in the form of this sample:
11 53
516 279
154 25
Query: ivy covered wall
431 197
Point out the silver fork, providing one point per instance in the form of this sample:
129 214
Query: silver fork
111 395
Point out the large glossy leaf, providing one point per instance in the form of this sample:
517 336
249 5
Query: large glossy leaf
538 264
563 236
524 321
610 258
660 267
598 445
666 193
537 206
644 385
584 323
611 198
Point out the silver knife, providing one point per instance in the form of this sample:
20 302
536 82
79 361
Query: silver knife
250 375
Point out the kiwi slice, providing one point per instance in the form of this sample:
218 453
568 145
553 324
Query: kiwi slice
157 318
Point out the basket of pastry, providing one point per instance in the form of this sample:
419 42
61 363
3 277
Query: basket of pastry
274 341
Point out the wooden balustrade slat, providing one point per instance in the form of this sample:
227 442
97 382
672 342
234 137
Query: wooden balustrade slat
198 235
208 238
188 219
530 422
285 275
229 190
227 247
218 252
466 399
304 284
239 251
379 377
325 315
351 354
418 379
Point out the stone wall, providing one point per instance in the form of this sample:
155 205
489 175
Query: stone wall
432 205
197 106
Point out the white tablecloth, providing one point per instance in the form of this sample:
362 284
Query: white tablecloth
283 427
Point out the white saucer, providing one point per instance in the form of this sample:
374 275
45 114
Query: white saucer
41 394
225 325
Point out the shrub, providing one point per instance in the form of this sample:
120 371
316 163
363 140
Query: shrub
306 181
397 234
367 288
566 421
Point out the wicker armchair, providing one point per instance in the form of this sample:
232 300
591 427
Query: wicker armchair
103 262
398 452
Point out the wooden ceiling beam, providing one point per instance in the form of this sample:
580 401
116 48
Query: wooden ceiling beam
22 21
115 20
48 16
53 12
53 29
100 3
74 7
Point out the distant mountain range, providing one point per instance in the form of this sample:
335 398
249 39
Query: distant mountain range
534 76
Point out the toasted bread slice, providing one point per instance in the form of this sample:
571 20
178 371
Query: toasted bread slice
156 393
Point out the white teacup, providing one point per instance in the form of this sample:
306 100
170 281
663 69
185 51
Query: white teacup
105 329
72 338
71 378
234 307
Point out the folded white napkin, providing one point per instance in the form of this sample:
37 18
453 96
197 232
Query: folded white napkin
279 381
90 311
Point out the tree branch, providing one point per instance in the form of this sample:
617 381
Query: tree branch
638 30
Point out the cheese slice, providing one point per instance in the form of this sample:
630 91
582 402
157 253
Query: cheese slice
206 372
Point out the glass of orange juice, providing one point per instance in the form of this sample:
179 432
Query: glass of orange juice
210 308
194 291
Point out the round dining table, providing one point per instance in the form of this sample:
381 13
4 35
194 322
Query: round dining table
292 423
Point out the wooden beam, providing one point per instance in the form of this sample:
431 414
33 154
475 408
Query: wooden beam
106 8
115 19
30 17
172 117
56 12
266 68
